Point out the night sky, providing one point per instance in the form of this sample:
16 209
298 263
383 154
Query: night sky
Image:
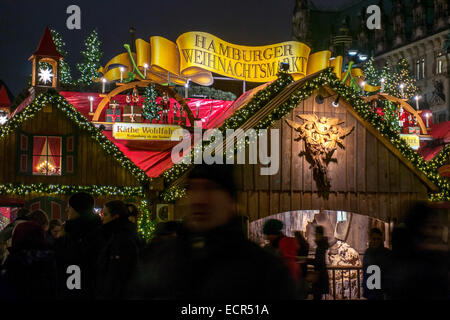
246 22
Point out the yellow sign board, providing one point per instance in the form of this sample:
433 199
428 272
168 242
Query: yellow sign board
146 131
412 140
197 55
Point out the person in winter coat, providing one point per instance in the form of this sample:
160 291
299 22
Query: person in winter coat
7 232
379 256
322 285
80 246
211 257
119 257
286 247
29 271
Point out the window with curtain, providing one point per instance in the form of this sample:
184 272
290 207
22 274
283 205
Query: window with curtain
47 155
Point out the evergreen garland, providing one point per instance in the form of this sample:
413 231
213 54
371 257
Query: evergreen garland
91 63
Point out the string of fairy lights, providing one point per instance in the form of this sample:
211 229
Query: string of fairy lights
326 77
58 189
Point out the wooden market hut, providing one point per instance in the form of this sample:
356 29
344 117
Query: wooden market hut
371 176
49 151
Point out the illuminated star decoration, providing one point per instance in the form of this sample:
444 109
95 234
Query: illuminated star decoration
45 75
3 118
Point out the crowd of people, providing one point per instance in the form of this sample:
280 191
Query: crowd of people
206 256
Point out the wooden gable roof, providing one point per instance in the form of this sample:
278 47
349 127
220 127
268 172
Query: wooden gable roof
100 162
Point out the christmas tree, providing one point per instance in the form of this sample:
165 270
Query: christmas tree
371 73
403 77
150 108
64 68
385 77
88 68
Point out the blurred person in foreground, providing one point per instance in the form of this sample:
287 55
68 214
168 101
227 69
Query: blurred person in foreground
120 253
29 272
379 256
80 246
420 266
211 258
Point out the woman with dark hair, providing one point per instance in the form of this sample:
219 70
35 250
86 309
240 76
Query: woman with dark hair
119 257
40 217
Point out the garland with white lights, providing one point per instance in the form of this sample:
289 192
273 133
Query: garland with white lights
326 77
58 189
145 225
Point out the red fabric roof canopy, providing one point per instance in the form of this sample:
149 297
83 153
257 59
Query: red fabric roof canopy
439 131
154 163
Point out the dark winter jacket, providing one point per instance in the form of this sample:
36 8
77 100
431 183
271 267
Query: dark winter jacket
322 285
220 264
117 260
29 274
380 257
80 246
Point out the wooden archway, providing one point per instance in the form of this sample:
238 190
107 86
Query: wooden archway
142 83
403 104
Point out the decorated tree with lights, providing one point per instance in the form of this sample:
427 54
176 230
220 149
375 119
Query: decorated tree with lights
403 77
150 108
92 55
64 69
375 77
372 76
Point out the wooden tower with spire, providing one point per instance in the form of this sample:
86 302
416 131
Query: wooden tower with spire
46 52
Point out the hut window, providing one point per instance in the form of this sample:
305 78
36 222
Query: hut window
47 155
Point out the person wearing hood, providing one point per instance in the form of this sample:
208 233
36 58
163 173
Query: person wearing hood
211 258
119 257
80 246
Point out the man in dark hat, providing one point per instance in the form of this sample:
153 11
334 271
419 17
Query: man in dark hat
80 246
211 257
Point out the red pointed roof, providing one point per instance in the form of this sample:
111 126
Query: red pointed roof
4 99
46 46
